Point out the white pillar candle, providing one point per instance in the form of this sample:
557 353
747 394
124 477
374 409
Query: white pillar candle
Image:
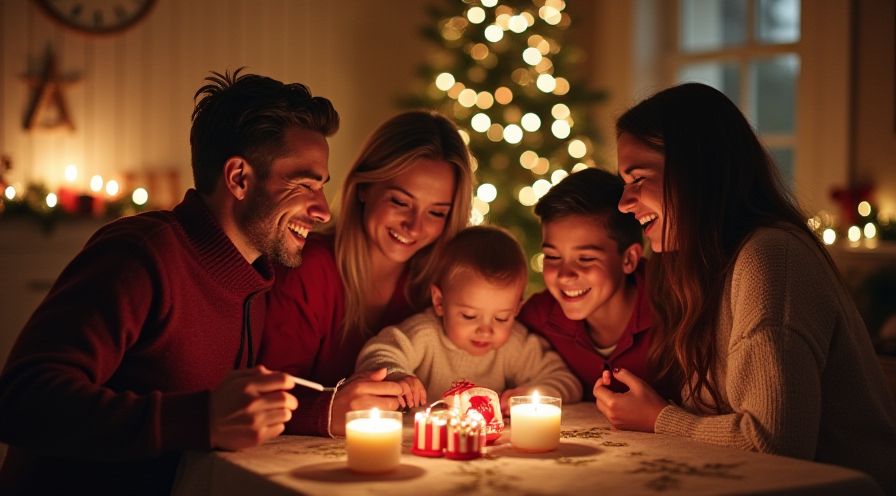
373 440
535 423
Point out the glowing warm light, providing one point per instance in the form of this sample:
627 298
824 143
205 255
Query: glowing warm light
140 196
546 83
10 193
560 111
577 148
541 166
112 188
558 175
870 230
479 51
476 217
96 183
467 98
485 100
71 173
480 206
464 135
476 15
579 167
480 122
537 262
489 3
487 192
495 132
864 209
503 18
503 95
829 236
528 158
541 187
455 90
560 129
530 122
518 24
52 200
532 56
527 196
445 81
513 134
494 33
550 15
562 86
854 233
814 223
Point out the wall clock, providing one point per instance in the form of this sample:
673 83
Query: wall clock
97 16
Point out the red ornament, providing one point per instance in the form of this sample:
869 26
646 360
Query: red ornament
468 398
430 432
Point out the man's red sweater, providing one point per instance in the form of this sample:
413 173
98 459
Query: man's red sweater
110 379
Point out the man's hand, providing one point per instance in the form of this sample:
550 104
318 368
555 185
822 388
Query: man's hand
634 410
249 407
366 390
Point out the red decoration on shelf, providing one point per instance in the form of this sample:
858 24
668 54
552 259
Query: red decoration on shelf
848 199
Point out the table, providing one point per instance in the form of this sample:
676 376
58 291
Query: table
592 457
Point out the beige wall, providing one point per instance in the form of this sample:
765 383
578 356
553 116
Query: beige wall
132 105
874 135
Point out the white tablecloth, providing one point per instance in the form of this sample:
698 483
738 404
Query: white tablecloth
593 458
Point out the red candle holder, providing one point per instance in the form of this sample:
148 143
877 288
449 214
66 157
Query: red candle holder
466 438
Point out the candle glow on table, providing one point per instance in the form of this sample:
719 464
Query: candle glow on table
535 422
373 440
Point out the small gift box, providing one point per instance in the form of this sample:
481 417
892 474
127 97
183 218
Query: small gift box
431 432
466 438
467 398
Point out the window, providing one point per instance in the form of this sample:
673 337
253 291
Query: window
749 50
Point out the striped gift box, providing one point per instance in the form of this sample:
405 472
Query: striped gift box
466 439
430 433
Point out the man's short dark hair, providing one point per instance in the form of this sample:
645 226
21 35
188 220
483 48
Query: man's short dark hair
247 115
596 193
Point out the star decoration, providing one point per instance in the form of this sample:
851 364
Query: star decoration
48 96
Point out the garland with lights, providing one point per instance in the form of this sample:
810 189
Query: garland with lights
36 202
504 72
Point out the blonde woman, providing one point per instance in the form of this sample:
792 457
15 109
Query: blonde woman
406 195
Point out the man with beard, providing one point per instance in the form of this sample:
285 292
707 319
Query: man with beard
145 345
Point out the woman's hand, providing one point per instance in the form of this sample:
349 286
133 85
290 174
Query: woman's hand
413 393
366 390
635 410
505 398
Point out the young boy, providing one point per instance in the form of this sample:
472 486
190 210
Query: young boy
594 312
470 332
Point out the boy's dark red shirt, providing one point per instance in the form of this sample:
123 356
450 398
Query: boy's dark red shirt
543 315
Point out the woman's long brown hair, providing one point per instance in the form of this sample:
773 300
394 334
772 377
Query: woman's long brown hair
719 186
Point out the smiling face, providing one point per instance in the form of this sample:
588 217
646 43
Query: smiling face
281 210
477 314
407 213
641 167
583 268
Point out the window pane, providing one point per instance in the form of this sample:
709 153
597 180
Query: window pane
712 24
778 21
773 93
720 75
783 158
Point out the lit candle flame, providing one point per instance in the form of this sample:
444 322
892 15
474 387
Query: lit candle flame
536 398
375 413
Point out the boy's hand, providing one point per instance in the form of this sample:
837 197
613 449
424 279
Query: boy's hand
249 407
413 393
505 398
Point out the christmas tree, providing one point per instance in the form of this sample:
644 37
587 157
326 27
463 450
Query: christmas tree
506 75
